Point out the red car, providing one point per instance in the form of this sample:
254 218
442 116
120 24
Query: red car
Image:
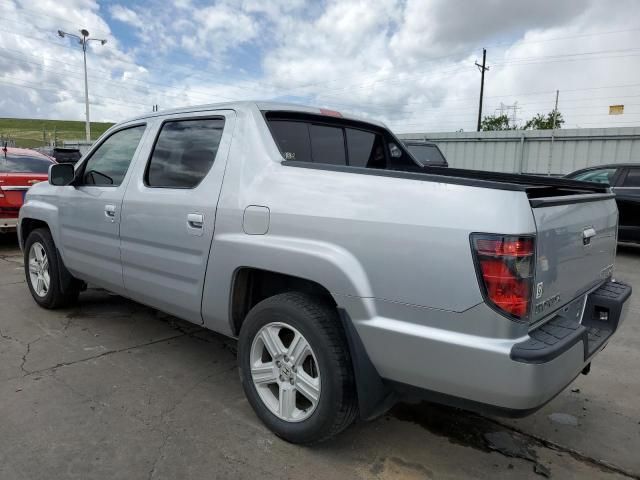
19 169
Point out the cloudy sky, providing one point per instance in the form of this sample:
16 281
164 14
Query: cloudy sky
407 62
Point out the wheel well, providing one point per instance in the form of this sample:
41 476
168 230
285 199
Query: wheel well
28 225
252 285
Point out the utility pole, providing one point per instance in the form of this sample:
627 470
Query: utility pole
553 132
483 68
84 40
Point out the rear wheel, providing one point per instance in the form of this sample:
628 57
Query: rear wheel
295 368
42 272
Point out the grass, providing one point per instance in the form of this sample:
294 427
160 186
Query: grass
33 132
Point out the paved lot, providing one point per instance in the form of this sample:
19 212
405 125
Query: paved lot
111 389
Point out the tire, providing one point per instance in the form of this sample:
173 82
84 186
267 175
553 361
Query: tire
286 315
53 296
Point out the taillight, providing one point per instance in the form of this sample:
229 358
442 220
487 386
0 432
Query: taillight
1 193
505 265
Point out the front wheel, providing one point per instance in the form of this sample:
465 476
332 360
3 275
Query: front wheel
295 368
42 272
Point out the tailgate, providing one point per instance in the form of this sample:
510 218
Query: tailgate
15 185
575 248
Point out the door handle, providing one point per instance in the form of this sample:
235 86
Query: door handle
195 220
110 212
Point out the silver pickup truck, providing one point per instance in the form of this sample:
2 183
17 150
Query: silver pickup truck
350 275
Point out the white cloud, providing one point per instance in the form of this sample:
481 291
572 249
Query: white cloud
408 62
125 15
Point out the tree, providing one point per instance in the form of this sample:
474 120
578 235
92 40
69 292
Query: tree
496 122
544 122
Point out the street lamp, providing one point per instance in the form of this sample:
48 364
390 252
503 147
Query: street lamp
83 40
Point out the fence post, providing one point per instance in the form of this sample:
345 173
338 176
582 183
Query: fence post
521 161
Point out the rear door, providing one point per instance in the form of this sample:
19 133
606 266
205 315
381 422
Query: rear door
627 192
576 246
169 212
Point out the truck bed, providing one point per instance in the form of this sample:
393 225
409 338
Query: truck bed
536 187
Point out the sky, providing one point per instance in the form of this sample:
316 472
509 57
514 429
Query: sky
409 63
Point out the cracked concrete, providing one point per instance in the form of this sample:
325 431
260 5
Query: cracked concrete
112 389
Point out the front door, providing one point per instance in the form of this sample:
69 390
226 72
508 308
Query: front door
89 210
169 210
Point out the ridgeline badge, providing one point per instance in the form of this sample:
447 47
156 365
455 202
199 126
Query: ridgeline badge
547 304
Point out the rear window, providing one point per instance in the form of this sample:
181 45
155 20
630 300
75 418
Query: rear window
633 178
426 154
292 139
327 144
366 149
23 164
304 138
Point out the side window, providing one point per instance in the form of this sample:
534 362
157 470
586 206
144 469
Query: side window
327 145
108 165
603 175
184 153
633 178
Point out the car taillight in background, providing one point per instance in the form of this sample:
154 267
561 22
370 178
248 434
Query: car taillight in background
505 267
1 193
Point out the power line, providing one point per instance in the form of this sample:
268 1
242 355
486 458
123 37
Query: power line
126 84
38 86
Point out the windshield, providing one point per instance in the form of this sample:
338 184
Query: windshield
427 154
23 164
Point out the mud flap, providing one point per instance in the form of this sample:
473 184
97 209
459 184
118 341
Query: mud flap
374 396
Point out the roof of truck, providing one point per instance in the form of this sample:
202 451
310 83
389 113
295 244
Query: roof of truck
261 105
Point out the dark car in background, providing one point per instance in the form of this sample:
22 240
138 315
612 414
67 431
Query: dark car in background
64 154
624 179
427 153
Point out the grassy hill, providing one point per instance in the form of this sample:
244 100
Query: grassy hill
33 132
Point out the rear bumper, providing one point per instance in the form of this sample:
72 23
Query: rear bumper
604 309
8 225
512 376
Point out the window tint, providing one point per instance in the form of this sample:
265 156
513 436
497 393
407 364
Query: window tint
327 145
633 178
292 139
23 164
426 154
365 149
184 153
110 162
323 142
603 175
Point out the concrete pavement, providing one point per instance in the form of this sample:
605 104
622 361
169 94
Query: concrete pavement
112 389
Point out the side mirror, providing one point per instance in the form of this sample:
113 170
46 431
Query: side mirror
61 174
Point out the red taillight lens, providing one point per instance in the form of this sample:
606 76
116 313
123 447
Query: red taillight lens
505 269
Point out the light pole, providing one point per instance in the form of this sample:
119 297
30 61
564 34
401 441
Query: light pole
83 40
